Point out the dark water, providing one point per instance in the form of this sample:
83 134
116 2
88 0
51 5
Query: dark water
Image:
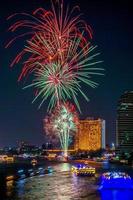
62 185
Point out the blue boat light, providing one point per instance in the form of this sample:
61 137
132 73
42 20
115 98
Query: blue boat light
20 171
30 170
116 180
40 168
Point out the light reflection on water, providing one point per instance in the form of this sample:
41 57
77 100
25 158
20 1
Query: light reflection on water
62 167
20 188
9 188
62 185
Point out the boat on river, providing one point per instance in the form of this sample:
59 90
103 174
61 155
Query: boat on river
116 180
82 169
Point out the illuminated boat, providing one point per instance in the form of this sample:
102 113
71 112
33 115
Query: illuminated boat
20 174
30 173
40 171
34 162
10 178
5 158
82 169
116 180
48 170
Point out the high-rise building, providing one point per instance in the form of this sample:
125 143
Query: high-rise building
124 125
90 135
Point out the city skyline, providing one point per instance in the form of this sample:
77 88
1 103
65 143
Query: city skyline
124 134
20 120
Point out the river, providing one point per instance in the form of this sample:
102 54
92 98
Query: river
62 185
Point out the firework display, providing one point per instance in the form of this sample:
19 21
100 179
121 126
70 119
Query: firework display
62 122
61 60
60 54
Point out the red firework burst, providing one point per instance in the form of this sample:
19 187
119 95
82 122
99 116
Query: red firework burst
51 35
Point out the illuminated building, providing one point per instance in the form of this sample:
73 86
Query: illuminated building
90 135
124 126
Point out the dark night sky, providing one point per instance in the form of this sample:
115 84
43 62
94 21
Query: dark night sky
111 22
